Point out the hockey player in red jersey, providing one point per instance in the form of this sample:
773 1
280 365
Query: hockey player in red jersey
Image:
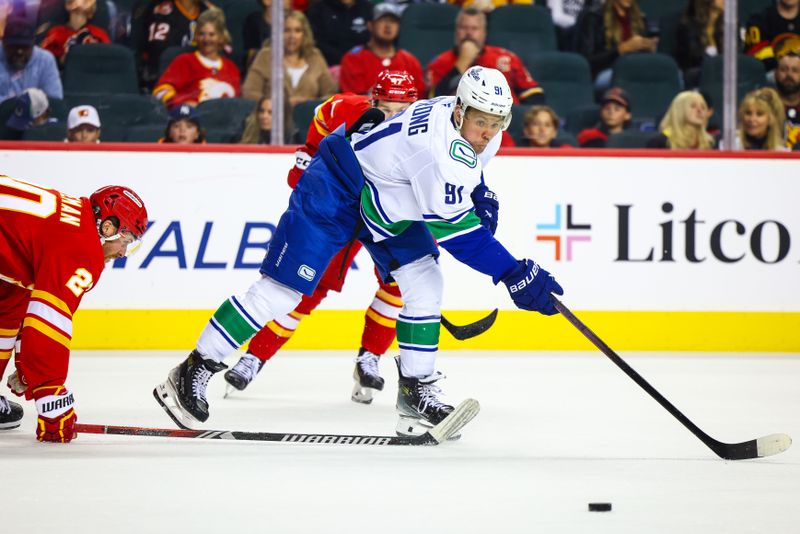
393 92
52 250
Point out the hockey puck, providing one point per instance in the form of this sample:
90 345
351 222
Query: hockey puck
599 506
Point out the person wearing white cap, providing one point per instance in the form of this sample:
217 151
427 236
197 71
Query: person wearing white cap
83 125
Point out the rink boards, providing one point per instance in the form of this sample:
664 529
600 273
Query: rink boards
655 252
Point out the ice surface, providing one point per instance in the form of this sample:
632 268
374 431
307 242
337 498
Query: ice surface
556 432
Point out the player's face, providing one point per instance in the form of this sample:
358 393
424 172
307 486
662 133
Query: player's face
787 75
541 130
478 128
184 132
264 115
390 109
292 35
84 133
472 28
614 115
120 242
209 40
755 121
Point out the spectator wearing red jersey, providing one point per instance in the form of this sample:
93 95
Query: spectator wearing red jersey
77 30
445 70
205 74
362 64
615 116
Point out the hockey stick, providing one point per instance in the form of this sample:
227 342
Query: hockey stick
454 422
472 329
756 448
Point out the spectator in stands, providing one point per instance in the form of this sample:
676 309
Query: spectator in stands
194 77
77 30
258 28
31 108
540 128
306 75
767 30
23 65
164 24
761 120
685 124
609 30
339 25
787 82
258 125
699 35
184 127
615 116
361 65
470 49
565 14
83 125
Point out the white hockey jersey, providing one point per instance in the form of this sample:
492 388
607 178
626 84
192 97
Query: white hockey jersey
419 168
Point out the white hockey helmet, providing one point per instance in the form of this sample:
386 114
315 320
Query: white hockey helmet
486 90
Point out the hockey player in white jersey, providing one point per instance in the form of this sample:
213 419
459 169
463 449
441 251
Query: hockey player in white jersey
408 178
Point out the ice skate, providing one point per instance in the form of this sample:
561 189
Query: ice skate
418 405
183 395
10 414
241 374
366 376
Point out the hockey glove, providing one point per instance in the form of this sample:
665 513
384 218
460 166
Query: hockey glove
530 286
56 414
16 383
486 207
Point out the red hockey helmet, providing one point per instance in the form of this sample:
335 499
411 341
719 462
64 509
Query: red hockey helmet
120 202
395 86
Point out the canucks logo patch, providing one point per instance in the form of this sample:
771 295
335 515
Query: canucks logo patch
462 152
306 272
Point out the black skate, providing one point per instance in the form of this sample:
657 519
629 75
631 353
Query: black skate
418 405
366 376
183 395
10 414
244 372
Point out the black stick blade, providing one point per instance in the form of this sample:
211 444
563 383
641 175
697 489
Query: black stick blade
470 330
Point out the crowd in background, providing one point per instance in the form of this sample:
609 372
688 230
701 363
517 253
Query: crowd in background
187 53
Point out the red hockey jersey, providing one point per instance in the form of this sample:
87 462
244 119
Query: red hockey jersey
50 247
192 78
342 108
360 69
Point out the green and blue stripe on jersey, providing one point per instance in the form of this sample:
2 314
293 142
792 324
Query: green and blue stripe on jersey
233 323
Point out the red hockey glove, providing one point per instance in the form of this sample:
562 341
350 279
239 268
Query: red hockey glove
56 414
301 161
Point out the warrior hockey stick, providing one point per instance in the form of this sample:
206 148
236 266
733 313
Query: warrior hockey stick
470 330
756 448
449 427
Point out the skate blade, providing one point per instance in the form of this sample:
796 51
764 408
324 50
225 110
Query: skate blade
167 399
10 426
228 390
410 426
362 395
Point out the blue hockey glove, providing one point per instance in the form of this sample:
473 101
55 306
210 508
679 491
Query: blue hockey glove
486 207
530 286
